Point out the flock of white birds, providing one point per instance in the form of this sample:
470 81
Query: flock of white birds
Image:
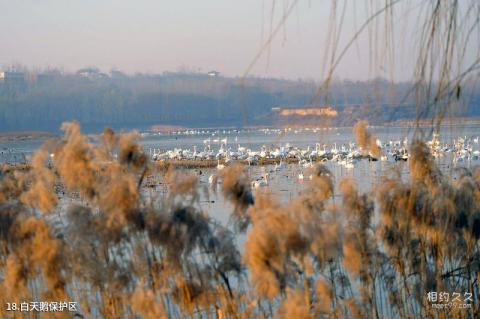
462 149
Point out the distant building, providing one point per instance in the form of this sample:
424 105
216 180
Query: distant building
213 74
12 80
102 75
89 73
13 76
326 111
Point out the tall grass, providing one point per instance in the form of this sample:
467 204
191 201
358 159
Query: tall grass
80 226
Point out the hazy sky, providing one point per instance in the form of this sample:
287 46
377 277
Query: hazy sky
156 36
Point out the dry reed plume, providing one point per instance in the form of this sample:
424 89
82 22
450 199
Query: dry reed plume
365 140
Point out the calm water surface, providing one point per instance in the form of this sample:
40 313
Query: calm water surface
284 184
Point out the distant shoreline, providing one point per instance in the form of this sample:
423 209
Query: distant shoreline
429 122
167 129
25 135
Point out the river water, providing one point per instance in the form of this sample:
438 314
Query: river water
283 184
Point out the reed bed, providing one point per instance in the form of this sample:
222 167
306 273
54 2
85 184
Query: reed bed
207 163
124 253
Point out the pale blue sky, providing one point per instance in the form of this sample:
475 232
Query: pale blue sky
159 35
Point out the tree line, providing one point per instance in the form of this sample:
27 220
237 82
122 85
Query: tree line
96 100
